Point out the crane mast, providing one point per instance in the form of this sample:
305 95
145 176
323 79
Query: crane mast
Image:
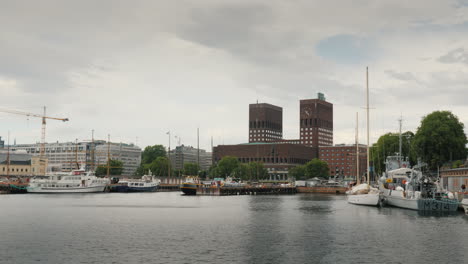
43 130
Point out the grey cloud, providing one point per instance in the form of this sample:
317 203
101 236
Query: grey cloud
403 76
455 56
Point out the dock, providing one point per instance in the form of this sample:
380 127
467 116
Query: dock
165 187
245 190
322 189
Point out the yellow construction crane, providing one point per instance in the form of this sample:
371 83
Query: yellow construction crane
44 117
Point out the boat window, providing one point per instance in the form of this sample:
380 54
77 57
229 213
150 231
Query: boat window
141 184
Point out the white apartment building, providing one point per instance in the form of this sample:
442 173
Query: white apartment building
67 156
188 154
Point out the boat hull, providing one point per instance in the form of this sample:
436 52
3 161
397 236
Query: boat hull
188 188
371 199
397 199
464 203
142 189
401 202
92 189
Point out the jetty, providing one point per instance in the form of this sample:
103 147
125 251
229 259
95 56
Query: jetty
244 190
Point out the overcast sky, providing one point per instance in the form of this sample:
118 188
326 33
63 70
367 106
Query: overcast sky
137 69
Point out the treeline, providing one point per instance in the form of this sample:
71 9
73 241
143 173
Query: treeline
439 141
154 159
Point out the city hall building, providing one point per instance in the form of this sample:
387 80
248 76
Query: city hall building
266 143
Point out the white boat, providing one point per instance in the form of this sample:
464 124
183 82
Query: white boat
364 194
78 181
464 203
410 189
147 184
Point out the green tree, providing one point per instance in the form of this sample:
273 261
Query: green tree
203 174
256 171
241 171
115 168
191 169
388 145
317 168
440 138
213 171
298 172
160 166
151 153
227 165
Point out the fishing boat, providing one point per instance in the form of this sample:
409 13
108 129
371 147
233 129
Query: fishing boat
190 185
364 194
78 181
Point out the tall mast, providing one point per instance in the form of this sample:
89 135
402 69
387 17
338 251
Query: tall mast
399 150
198 147
92 150
358 177
108 155
76 154
8 156
169 156
367 108
43 132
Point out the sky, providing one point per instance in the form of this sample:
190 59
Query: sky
135 70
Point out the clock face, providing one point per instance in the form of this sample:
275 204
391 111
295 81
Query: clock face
306 111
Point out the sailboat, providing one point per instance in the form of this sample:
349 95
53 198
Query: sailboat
364 194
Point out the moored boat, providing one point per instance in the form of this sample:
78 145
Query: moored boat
464 203
410 189
78 181
190 186
147 183
363 194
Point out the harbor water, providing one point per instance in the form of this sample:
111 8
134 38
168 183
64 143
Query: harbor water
167 227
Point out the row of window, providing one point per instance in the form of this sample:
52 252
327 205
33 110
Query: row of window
17 169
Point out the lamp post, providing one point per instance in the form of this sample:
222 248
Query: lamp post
169 155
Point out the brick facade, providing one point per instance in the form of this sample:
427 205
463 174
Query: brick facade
316 123
277 158
342 159
265 122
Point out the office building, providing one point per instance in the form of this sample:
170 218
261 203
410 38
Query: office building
188 154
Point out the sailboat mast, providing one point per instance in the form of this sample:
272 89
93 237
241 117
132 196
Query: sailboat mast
358 178
399 150
198 147
367 110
